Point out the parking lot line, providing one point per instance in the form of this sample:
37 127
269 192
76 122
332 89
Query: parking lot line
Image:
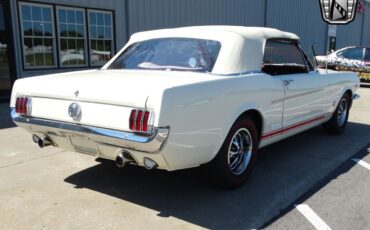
362 163
311 216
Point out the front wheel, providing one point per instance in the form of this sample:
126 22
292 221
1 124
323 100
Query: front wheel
339 120
237 156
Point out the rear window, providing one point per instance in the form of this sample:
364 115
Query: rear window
172 54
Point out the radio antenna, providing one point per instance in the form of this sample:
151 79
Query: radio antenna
326 63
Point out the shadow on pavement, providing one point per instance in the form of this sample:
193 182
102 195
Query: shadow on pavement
5 119
285 171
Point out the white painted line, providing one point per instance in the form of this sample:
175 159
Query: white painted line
362 163
311 216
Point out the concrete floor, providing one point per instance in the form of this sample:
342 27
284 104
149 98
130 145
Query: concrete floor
342 203
53 189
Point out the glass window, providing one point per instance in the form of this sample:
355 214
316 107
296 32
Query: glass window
37 35
367 55
178 54
283 57
80 17
351 53
5 85
26 12
72 37
101 37
46 14
282 52
62 16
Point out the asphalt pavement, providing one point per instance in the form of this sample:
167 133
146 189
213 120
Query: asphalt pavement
305 182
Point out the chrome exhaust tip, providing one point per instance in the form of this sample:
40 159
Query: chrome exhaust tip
35 138
44 142
149 163
123 159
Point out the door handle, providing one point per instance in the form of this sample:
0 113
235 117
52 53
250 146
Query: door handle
287 82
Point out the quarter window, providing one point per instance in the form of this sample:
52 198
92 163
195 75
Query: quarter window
37 35
101 37
282 52
72 37
283 57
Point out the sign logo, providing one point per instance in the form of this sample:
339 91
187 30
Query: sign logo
74 111
338 11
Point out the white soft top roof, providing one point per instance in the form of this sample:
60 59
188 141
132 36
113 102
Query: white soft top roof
247 32
241 47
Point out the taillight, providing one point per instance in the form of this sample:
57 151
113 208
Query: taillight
23 106
141 121
146 121
132 119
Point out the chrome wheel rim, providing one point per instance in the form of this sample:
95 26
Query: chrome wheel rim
342 112
240 151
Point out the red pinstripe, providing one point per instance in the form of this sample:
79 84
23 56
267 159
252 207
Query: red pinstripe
290 128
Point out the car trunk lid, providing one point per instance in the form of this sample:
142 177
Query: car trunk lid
106 97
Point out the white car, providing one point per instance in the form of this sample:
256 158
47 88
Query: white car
352 57
179 98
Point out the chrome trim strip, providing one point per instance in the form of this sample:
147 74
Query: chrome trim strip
29 106
133 141
238 74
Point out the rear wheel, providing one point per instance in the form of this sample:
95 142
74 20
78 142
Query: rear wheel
236 158
339 120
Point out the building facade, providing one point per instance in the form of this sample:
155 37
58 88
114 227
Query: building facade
49 36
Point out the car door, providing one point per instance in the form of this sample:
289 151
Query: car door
350 59
305 99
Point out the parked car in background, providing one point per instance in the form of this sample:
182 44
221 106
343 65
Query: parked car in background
180 98
354 58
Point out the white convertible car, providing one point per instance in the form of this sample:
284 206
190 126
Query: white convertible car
180 98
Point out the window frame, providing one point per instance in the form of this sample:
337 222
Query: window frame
307 58
88 11
85 38
53 37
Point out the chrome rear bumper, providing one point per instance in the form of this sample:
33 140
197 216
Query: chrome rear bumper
126 140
